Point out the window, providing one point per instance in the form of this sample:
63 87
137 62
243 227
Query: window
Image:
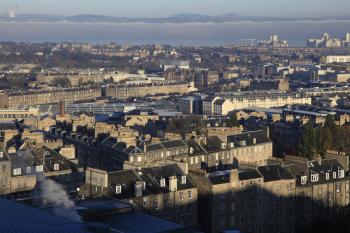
168 153
17 171
183 179
327 176
290 186
181 196
320 191
56 167
143 185
144 200
156 204
233 222
241 220
233 207
39 168
189 195
334 175
162 182
341 173
337 187
303 179
118 189
4 168
131 159
28 170
139 159
314 178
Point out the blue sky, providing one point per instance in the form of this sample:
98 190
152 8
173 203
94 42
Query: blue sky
157 8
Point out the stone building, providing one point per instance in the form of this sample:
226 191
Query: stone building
133 91
269 84
245 199
12 99
223 103
212 153
166 192
21 169
322 187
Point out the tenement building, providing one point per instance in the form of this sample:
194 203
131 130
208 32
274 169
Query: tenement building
12 99
322 187
223 103
109 153
165 192
212 153
134 91
246 199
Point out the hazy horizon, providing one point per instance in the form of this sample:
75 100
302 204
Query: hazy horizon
161 8
192 34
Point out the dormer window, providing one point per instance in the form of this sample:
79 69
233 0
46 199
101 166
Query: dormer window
341 173
56 167
303 179
17 171
39 168
314 178
327 176
118 189
223 146
183 180
334 175
162 182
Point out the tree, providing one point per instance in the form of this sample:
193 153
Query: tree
325 136
308 143
61 82
233 121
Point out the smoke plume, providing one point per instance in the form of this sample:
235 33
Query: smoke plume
12 11
54 194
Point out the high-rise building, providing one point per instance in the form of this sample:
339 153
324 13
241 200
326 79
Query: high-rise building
347 37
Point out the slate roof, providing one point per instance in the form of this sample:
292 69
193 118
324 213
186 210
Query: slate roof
221 177
19 218
274 172
151 177
259 135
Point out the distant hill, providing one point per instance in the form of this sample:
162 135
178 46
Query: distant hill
178 18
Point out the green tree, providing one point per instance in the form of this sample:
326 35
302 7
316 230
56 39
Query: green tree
233 121
62 82
308 143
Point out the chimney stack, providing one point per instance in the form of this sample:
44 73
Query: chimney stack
62 108
138 189
234 179
172 183
318 159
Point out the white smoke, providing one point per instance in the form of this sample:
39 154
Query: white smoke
12 11
54 194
